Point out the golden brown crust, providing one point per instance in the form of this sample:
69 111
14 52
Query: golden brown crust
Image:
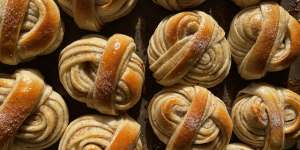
189 48
106 75
294 31
18 44
85 14
264 39
190 117
115 54
32 115
102 132
10 28
196 48
45 31
266 117
18 105
93 14
256 60
275 133
127 137
186 131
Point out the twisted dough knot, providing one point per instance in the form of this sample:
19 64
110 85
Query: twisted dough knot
32 116
94 132
246 3
189 48
267 117
264 38
190 117
175 5
28 28
92 14
107 76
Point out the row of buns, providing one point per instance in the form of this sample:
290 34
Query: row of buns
33 116
31 28
261 39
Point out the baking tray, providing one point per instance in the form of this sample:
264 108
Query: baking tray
140 24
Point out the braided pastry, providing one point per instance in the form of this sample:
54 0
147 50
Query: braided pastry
106 75
189 48
94 132
190 117
264 38
267 117
32 115
246 3
28 28
175 5
93 14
